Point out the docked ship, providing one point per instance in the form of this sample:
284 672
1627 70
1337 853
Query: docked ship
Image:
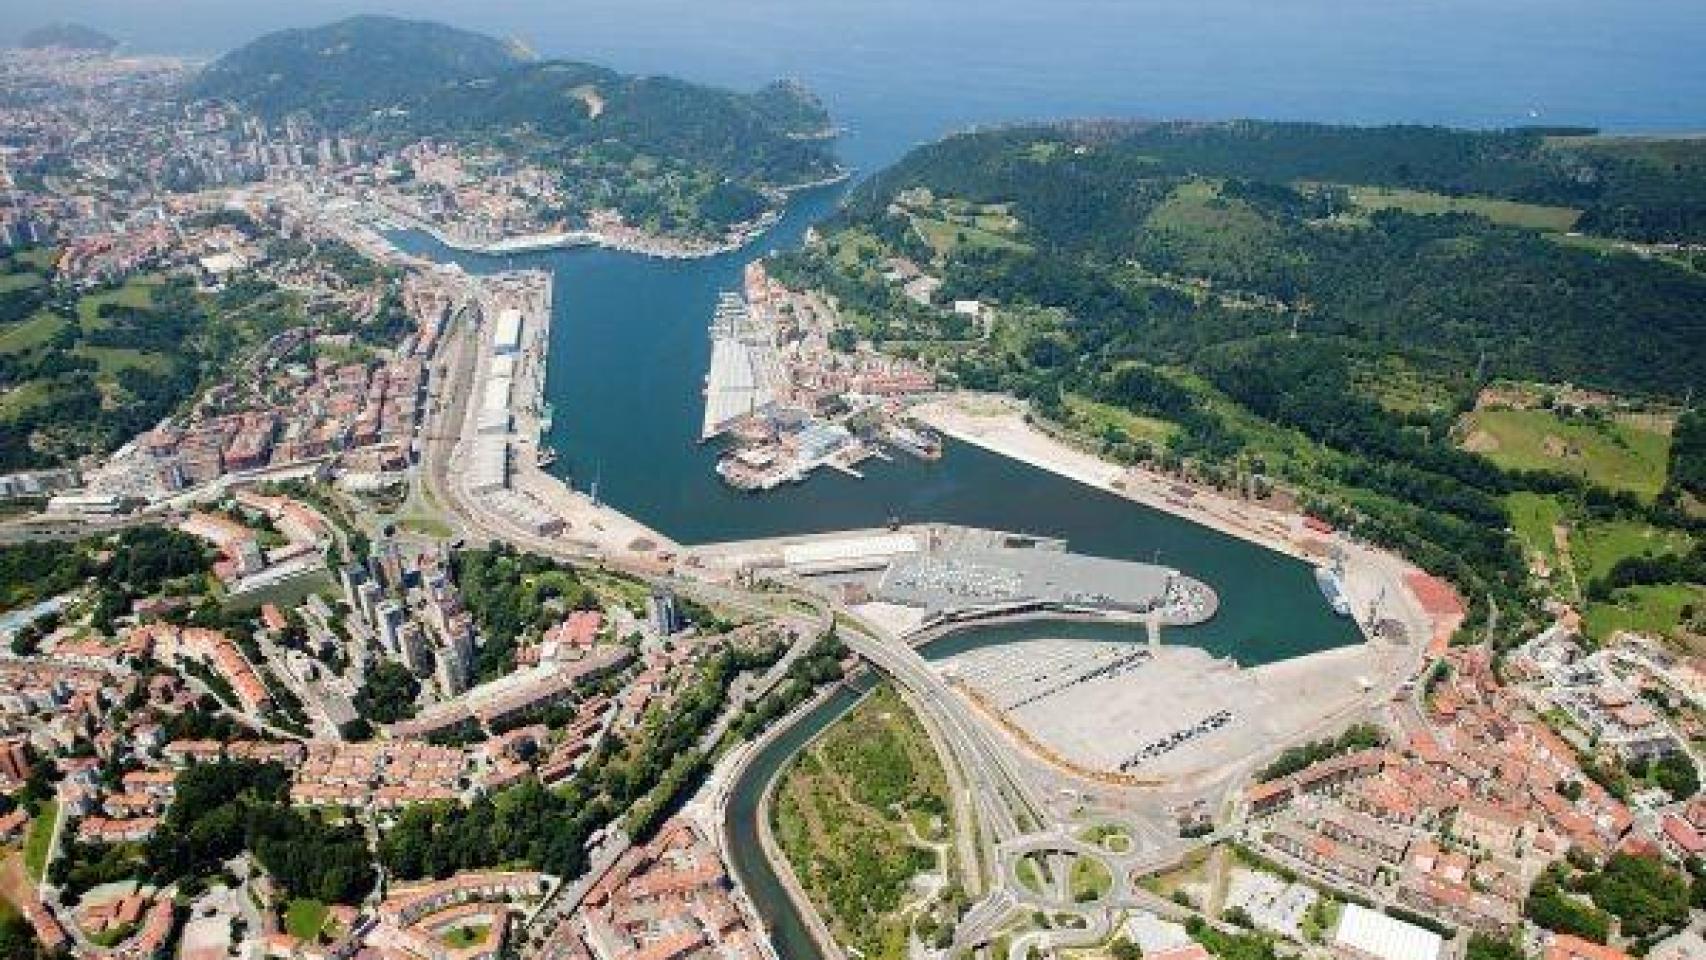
546 456
1334 590
917 441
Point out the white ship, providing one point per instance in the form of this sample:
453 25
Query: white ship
1334 590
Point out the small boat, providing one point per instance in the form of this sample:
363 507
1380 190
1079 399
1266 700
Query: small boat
545 457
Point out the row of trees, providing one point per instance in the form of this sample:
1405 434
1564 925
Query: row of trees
1358 736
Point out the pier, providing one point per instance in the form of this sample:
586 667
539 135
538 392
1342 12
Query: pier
746 371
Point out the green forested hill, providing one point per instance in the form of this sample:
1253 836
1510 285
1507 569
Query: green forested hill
565 106
409 78
1270 210
1318 305
70 36
1636 188
343 71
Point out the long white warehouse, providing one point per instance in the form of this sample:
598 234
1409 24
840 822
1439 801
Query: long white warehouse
507 337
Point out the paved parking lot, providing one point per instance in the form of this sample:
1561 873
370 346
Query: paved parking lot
1167 712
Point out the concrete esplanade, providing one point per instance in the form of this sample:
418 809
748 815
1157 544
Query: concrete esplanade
965 580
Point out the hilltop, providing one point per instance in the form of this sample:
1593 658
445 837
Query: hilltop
1513 244
343 71
68 36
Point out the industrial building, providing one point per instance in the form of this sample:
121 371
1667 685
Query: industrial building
526 513
970 578
848 554
488 464
494 406
506 339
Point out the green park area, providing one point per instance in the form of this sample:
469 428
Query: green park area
461 938
859 815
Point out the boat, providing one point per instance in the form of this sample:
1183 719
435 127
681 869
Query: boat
1333 590
919 442
546 415
545 457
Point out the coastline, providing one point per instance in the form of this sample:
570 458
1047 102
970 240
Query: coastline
640 244
996 423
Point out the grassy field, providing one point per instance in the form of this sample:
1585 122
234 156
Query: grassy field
946 237
136 292
1090 880
29 334
32 336
114 359
1529 216
1597 547
1103 420
946 224
37 841
19 281
1613 454
843 814
1217 237
39 259
1401 387
1647 609
304 919
855 250
1594 547
1534 517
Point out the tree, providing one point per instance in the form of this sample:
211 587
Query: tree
1675 775
1483 947
387 693
1643 893
1550 907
